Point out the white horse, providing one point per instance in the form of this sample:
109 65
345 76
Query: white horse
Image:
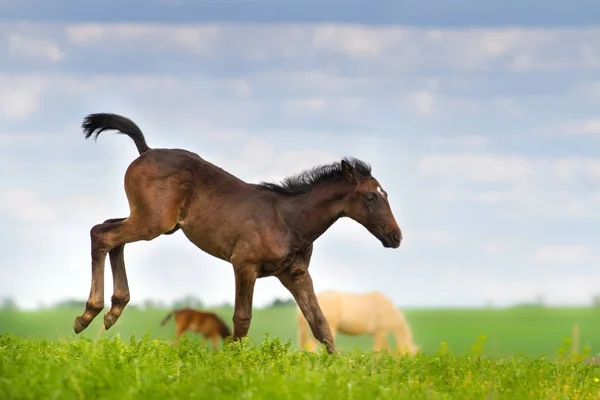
357 314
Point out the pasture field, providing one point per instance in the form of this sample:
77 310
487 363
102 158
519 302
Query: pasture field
525 354
155 369
529 331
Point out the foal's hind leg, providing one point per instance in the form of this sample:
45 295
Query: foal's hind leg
106 237
120 296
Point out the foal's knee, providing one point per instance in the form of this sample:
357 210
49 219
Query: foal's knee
242 320
94 305
98 238
120 299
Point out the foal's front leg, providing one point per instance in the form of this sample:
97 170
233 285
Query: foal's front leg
299 282
245 279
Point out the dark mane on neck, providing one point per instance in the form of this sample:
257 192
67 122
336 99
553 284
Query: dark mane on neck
305 181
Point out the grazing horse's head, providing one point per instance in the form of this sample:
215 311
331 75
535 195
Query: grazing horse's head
368 205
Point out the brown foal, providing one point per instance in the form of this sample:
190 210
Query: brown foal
262 229
207 323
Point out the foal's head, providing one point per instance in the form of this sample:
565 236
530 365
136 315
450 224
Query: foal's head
360 196
368 204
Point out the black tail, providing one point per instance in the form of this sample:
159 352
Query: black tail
94 124
164 321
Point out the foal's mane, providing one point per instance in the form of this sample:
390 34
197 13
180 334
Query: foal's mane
306 180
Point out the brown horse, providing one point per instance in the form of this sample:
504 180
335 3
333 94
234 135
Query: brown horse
209 324
262 229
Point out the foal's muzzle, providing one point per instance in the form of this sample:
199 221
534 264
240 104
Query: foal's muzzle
392 239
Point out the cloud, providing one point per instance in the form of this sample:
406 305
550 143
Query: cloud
509 106
562 289
355 42
563 254
24 205
204 102
43 210
35 48
19 99
387 49
12 140
497 247
422 102
471 143
199 40
590 127
479 168
393 48
516 169
342 108
25 95
543 186
316 69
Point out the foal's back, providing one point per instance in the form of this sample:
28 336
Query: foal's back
205 201
183 166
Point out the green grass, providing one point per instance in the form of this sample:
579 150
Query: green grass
525 354
155 369
530 331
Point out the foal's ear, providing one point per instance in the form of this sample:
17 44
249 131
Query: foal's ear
349 172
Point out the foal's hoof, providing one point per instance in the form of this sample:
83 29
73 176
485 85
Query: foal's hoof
109 320
79 324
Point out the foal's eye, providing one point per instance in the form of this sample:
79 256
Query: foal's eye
371 197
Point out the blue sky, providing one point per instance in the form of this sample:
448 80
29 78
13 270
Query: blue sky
481 121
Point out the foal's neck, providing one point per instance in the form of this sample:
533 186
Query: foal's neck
312 213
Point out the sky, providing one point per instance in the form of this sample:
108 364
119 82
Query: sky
480 119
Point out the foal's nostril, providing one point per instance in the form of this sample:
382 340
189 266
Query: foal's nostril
396 237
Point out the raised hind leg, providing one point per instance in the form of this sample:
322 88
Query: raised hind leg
120 296
95 302
104 238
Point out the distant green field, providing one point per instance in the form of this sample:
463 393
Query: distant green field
531 331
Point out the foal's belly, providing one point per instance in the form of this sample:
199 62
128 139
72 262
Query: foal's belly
210 227
208 242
